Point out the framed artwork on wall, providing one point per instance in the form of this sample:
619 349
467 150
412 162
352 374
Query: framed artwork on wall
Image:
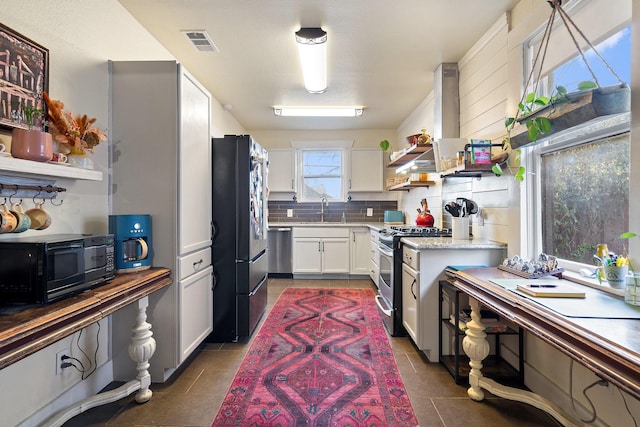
24 75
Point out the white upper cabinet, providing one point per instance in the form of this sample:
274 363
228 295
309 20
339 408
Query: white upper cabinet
366 170
194 167
282 170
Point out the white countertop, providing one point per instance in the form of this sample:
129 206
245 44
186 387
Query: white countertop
449 243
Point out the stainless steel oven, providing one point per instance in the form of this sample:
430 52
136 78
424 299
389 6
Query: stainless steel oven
384 299
389 298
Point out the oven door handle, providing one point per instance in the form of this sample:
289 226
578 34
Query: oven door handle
384 310
383 250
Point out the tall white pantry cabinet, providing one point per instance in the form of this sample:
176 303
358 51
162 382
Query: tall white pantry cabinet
162 166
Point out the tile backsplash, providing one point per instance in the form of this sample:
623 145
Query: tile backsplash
354 211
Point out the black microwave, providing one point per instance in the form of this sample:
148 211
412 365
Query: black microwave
48 268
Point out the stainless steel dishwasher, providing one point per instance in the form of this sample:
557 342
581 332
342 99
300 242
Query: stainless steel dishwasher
279 253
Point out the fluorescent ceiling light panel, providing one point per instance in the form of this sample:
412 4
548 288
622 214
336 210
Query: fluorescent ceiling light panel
318 112
312 46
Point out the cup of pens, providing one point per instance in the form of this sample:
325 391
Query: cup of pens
616 275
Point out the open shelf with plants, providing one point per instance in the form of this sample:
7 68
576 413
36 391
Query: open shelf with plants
36 169
409 154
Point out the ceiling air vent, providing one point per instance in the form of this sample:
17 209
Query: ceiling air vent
201 40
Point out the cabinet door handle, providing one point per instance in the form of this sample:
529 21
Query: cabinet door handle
322 246
292 185
412 292
319 250
349 184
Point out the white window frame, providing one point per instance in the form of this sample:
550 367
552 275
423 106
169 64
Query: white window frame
530 191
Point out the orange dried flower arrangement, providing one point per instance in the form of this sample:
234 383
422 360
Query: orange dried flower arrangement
75 131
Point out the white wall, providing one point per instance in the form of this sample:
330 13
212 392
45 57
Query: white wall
81 35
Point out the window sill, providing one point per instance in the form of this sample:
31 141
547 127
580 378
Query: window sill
592 283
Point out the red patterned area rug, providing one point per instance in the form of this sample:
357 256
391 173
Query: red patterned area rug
322 358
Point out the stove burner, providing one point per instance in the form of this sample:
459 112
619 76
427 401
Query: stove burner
416 231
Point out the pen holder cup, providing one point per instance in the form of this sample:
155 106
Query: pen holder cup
632 289
616 276
460 228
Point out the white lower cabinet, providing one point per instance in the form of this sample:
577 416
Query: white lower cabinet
410 291
196 304
374 257
360 250
318 250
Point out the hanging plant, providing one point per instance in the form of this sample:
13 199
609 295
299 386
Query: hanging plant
543 116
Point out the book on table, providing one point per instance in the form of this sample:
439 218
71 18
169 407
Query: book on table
545 290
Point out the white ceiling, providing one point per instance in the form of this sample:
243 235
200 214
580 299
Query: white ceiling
381 53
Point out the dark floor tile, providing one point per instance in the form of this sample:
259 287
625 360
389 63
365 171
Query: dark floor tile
490 413
168 409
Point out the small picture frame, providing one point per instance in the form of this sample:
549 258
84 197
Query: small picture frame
24 75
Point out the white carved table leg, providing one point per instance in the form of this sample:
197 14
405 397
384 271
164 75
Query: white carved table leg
476 347
141 349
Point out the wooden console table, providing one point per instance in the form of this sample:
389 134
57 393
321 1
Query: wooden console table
26 330
608 347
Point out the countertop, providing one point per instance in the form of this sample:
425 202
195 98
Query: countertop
449 243
29 328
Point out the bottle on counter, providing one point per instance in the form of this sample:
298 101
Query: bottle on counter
603 252
343 219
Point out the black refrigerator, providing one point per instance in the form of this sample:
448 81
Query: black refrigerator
239 248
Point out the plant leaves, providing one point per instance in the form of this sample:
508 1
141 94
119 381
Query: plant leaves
587 84
509 121
520 174
628 235
542 100
561 90
530 97
496 169
384 145
544 124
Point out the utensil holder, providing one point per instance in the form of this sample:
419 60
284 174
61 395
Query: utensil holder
460 228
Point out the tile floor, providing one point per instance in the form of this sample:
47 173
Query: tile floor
193 395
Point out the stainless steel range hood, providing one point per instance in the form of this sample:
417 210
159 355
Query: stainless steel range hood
446 116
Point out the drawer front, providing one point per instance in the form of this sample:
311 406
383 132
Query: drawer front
411 257
191 264
321 232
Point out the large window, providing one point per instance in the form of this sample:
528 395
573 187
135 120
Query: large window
585 198
322 174
580 179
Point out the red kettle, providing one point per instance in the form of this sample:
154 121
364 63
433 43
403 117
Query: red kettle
424 219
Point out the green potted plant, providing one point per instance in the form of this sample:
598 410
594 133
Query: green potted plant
32 143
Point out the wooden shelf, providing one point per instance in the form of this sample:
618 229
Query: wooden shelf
468 170
406 186
31 168
410 153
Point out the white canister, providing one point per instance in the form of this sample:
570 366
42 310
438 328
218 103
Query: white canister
460 227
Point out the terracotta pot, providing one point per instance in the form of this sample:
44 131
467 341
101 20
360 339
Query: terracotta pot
31 145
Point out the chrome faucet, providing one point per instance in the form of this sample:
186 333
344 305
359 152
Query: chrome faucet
323 202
